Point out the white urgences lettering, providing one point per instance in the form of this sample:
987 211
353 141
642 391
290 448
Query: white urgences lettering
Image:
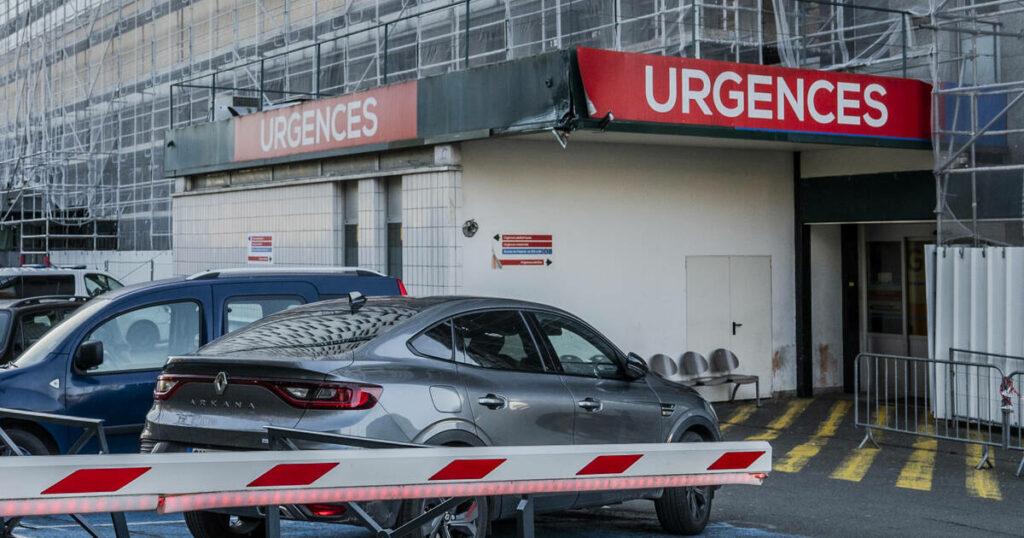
766 97
343 121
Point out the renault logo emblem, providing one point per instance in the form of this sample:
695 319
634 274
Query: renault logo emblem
221 383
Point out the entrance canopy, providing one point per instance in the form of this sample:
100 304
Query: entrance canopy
567 91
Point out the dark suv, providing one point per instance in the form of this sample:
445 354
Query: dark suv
24 321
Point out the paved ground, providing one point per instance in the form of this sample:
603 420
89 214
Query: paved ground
822 486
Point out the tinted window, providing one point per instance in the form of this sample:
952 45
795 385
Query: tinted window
241 311
435 342
310 333
142 339
578 348
33 325
498 340
96 284
36 285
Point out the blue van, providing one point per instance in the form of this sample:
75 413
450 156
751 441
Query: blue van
102 361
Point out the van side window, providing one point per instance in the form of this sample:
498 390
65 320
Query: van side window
142 339
241 311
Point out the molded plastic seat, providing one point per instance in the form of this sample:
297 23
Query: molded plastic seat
663 365
723 362
693 364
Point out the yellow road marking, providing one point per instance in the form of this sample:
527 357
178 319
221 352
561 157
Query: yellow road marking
856 465
741 414
796 458
784 421
917 472
981 483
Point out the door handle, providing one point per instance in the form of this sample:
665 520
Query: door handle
589 404
492 401
735 326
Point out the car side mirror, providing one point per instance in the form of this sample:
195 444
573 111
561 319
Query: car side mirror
89 355
636 368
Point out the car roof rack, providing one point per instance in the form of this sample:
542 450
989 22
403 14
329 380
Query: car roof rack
212 274
48 298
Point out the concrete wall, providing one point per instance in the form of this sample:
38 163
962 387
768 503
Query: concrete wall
826 306
849 161
624 218
211 230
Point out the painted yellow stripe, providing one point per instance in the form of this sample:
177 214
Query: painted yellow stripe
739 416
856 465
775 427
917 472
797 458
981 483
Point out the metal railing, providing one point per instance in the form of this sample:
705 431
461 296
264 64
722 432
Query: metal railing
956 400
91 428
435 39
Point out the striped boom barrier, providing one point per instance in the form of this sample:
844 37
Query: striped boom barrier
177 482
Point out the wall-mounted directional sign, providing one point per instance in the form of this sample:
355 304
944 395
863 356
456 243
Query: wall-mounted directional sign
260 248
522 250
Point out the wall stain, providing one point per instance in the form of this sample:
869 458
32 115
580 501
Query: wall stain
824 365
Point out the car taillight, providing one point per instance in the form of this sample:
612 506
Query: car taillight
326 510
326 395
165 386
401 287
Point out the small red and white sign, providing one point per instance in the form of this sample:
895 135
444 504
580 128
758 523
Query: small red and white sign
260 250
376 116
663 89
522 250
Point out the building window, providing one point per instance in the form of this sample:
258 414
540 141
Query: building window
394 218
351 228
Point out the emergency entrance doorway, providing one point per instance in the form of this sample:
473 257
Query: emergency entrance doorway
729 305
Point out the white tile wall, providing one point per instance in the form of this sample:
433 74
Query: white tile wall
431 222
210 230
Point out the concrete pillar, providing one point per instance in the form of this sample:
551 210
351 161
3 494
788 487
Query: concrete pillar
373 224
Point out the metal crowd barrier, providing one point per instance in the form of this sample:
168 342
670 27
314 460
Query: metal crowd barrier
91 427
969 401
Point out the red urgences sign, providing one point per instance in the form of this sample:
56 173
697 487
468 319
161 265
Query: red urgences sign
661 89
375 116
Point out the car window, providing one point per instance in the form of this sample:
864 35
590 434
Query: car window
498 340
435 342
142 339
96 284
310 332
578 349
32 326
20 286
241 311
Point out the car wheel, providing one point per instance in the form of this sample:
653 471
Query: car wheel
26 442
467 519
685 510
214 525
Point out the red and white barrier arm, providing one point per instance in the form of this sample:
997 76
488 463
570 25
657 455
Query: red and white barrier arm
182 481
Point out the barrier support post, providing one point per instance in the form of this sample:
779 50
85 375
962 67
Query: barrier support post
524 517
272 522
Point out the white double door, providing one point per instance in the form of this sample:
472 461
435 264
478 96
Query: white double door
729 305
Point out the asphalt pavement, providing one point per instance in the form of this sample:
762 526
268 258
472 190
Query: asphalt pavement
822 485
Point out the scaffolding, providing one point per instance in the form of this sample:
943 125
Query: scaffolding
89 87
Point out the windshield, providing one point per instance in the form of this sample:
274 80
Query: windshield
56 336
318 333
5 327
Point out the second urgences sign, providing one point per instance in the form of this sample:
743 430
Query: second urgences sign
375 116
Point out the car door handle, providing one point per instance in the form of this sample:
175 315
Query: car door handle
589 404
492 401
